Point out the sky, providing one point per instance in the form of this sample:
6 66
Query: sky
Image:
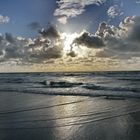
69 35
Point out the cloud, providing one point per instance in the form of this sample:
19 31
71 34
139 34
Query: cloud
72 8
26 51
112 42
2 54
103 29
4 19
71 54
114 11
121 42
109 42
12 47
44 49
50 32
89 40
34 26
135 30
9 38
44 54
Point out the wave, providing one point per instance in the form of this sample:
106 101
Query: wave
85 84
96 87
82 92
130 79
60 84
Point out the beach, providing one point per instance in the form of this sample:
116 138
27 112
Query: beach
44 117
69 69
70 106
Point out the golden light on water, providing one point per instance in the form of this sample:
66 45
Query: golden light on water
68 110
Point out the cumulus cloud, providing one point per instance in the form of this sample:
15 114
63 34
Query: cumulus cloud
135 29
103 29
72 8
50 32
89 40
112 42
109 42
114 11
44 54
43 49
12 47
123 41
9 38
4 19
47 46
36 50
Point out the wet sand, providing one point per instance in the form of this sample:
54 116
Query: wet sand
43 117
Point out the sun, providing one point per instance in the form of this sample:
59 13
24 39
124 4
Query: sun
68 40
69 47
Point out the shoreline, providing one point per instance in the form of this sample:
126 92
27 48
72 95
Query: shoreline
22 114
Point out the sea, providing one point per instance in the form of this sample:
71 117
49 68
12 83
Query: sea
92 84
70 106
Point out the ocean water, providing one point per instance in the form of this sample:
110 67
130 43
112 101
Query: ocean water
74 84
70 106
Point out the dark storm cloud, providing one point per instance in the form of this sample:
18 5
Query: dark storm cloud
89 40
34 26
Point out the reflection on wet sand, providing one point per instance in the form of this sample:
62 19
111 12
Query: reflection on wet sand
69 118
100 127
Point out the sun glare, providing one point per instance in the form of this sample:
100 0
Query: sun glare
68 39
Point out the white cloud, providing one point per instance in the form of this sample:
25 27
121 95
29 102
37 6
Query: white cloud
114 11
4 19
72 8
63 20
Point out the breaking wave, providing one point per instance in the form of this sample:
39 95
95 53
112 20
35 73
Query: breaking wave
115 84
